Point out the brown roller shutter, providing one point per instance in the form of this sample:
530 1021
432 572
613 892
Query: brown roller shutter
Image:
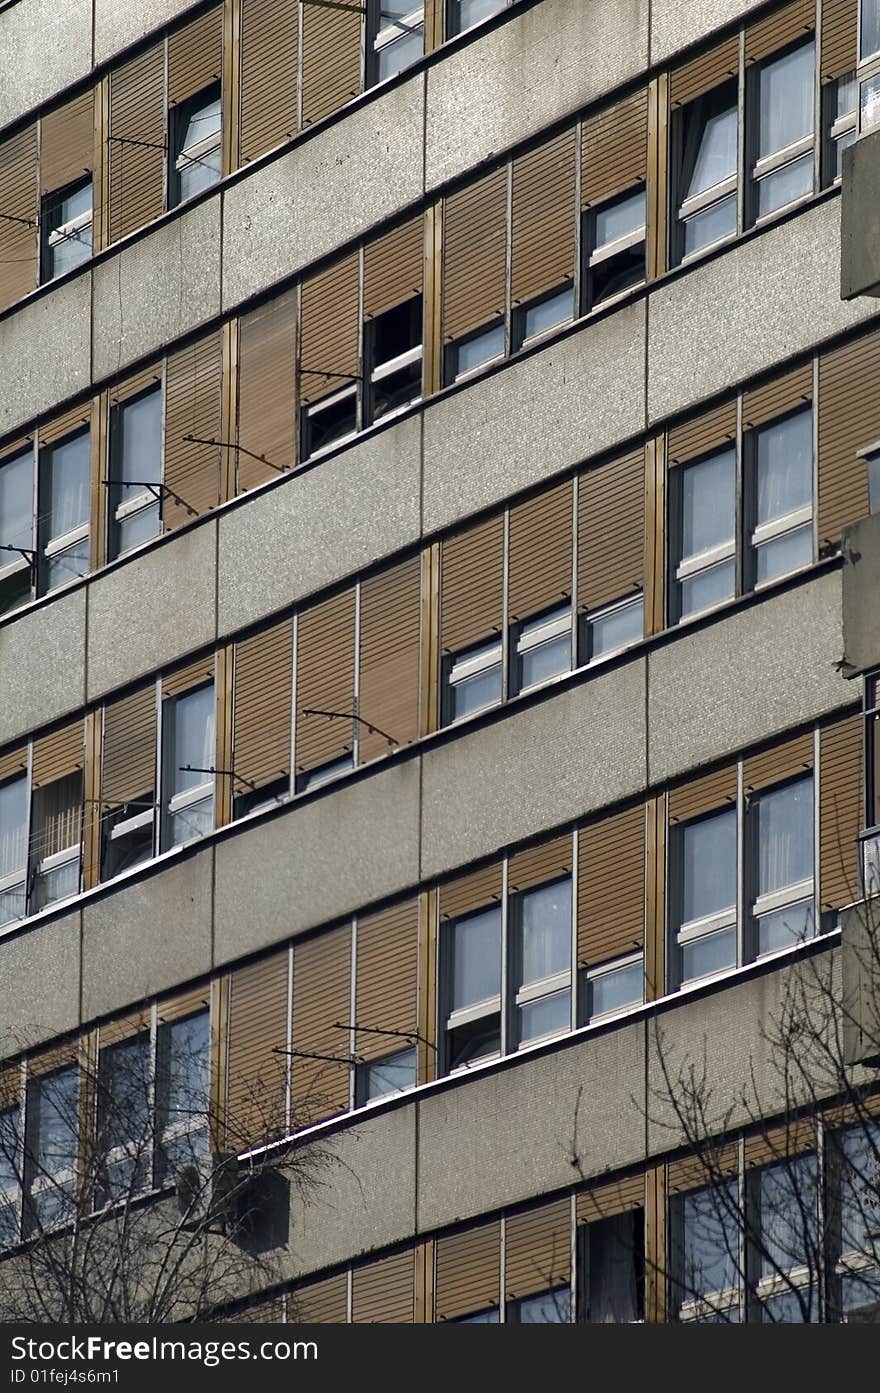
614 149
393 268
611 887
67 143
788 1139
474 255
710 431
611 530
331 63
329 330
325 681
262 709
468 893
701 74
542 245
68 424
547 861
13 762
10 1086
782 762
537 1250
195 56
59 754
778 397
849 419
269 1311
779 29
184 679
57 1057
703 795
192 408
840 23
267 391
256 1100
137 114
467 1276
390 628
541 549
320 1303
692 1172
321 999
269 74
18 216
129 757
840 812
123 1027
382 1293
472 585
386 979
604 1201
183 1004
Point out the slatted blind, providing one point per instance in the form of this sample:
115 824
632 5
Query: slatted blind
537 1249
269 74
611 530
474 255
781 762
10 1086
386 983
468 893
67 143
267 391
467 1274
329 330
784 394
702 74
770 1144
614 149
703 795
390 629
320 1303
393 268
325 680
137 114
195 56
124 1027
13 763
711 430
269 1311
849 419
67 424
543 218
184 679
18 223
183 1004
129 754
256 1109
59 754
840 23
539 864
48 1060
840 812
541 552
321 998
693 1172
604 1201
138 382
383 1292
262 707
611 887
471 585
331 63
192 408
779 29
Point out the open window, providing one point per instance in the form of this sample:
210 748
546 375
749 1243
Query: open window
63 523
781 103
66 229
188 746
611 1256
472 953
396 37
614 247
16 530
380 1078
135 471
473 680
393 348
705 140
195 127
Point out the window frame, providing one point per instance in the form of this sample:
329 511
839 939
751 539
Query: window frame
173 804
53 233
593 255
181 156
136 504
379 37
760 167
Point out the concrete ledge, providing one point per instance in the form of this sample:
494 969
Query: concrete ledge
118 25
674 26
41 977
46 352
42 665
46 46
860 219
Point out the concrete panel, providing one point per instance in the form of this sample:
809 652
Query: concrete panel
526 74
119 25
674 25
860 964
317 862
541 1125
860 219
45 47
323 192
42 665
147 937
528 422
779 293
554 761
162 286
321 526
40 970
162 603
46 352
861 586
745 677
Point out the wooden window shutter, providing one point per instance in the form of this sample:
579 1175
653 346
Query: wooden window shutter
779 1143
382 1293
779 29
13 763
537 1250
269 74
58 755
703 795
474 255
390 631
325 680
18 200
849 419
269 1311
128 766
547 861
137 113
782 762
693 1172
67 143
541 552
57 769
611 887
267 391
256 1090
195 56
331 63
604 1201
321 998
68 424
702 74
712 430
56 1057
183 1004
467 1275
137 383
611 530
386 985
10 1086
778 397
320 1303
394 268
192 407
840 23
543 218
124 1027
472 585
329 330
840 812
262 708
184 679
468 893
614 149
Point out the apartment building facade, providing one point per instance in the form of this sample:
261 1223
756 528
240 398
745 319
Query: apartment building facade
438 593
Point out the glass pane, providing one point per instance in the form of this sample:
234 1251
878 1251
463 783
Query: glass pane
480 1039
869 103
860 1290
468 12
138 458
397 390
618 219
708 501
76 246
708 588
139 528
194 821
67 565
787 1195
708 865
547 1308
786 100
793 181
474 693
202 170
66 486
200 173
388 1075
52 1122
9 1174
713 953
57 884
617 988
478 349
845 96
397 55
193 737
870 28
481 1318
182 1082
331 424
544 1017
785 465
547 313
716 153
16 505
546 931
476 958
860 1189
15 590
13 826
609 632
785 836
123 1094
873 465
710 1241
791 1307
545 660
702 229
784 554
785 926
614 1293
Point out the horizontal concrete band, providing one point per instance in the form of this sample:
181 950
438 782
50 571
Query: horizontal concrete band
738 680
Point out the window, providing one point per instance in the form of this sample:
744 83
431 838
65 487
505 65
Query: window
705 1245
380 1077
182 1093
473 992
543 647
783 1202
188 765
473 680
66 226
397 36
490 1317
56 840
614 986
464 13
871 456
123 1119
783 98
614 627
465 355
612 1261
840 99
393 344
10 1171
195 128
704 494
855 1156
705 133
782 821
323 773
869 29
869 64
782 494
539 316
329 421
135 471
704 876
63 522
545 1308
16 530
542 936
51 1147
614 245
13 849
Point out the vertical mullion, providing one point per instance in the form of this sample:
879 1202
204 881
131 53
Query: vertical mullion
744 1217
356 683
505 636
579 291
361 388
505 956
508 263
743 950
502 1284
158 777
152 1099
352 1017
294 645
815 367
817 860
741 138
574 1007
741 532
574 656
817 100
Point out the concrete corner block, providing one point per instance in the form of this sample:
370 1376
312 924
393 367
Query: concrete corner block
46 47
861 587
46 351
42 665
43 962
860 219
